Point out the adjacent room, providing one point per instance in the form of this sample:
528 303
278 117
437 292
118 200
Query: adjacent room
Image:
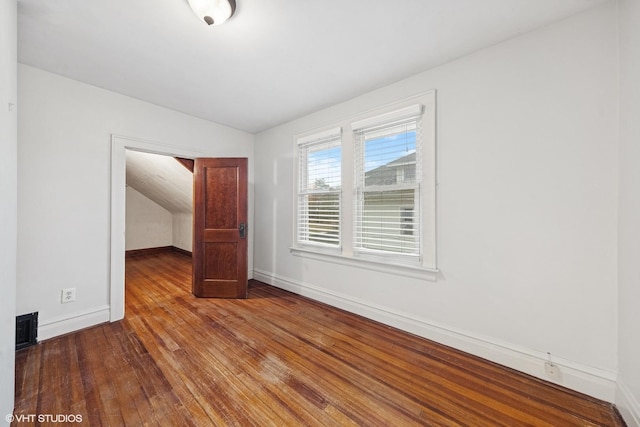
320 213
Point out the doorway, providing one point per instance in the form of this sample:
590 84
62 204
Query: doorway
208 250
119 147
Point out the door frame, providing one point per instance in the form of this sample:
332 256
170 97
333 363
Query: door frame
119 146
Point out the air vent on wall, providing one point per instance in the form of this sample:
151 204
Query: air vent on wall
26 330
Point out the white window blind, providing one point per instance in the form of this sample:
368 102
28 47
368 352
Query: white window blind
319 188
388 175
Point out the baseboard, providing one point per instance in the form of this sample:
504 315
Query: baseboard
627 405
154 251
180 251
147 251
594 382
61 325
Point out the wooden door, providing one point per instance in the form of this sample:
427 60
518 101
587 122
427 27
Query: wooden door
220 228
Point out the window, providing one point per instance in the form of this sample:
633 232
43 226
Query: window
366 196
406 218
388 174
319 184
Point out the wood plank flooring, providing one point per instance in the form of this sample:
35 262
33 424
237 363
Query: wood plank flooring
275 359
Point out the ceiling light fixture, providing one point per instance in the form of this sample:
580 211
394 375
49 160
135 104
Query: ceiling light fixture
213 12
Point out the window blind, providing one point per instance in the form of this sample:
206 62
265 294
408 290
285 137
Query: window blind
388 175
319 188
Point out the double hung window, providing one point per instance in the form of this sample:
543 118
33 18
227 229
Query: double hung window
366 188
388 174
319 188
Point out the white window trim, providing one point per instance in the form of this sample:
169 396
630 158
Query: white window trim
414 110
309 138
426 267
377 126
319 136
430 274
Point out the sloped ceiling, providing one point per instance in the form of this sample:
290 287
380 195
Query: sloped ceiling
274 60
162 179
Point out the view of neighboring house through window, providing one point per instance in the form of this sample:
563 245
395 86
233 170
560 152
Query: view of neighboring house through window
388 183
406 216
319 185
368 194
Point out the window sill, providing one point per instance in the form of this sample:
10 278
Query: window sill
430 274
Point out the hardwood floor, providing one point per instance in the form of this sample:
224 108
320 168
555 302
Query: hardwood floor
273 359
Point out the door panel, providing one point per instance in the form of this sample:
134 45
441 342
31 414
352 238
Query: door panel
220 261
219 212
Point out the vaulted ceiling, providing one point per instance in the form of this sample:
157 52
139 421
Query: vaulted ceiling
274 60
161 179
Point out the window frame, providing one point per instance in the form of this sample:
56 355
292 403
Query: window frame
311 140
374 128
425 267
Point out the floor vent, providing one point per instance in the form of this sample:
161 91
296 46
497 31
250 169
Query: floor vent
26 330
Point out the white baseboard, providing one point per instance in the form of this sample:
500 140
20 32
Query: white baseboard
592 381
628 405
65 324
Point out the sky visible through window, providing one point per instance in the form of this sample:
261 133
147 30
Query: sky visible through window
381 151
378 152
324 167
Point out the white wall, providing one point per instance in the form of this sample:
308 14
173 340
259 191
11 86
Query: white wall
64 156
148 225
8 206
183 231
527 168
628 397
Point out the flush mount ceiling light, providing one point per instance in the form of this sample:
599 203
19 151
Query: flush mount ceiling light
213 12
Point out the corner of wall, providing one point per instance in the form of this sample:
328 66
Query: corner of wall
627 404
9 205
628 384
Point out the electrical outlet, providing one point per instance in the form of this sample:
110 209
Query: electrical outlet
552 370
68 295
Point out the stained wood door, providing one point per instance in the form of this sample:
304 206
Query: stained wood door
220 228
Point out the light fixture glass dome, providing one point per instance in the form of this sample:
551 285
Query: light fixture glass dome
213 12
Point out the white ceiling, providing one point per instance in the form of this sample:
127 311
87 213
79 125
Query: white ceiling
162 179
274 60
